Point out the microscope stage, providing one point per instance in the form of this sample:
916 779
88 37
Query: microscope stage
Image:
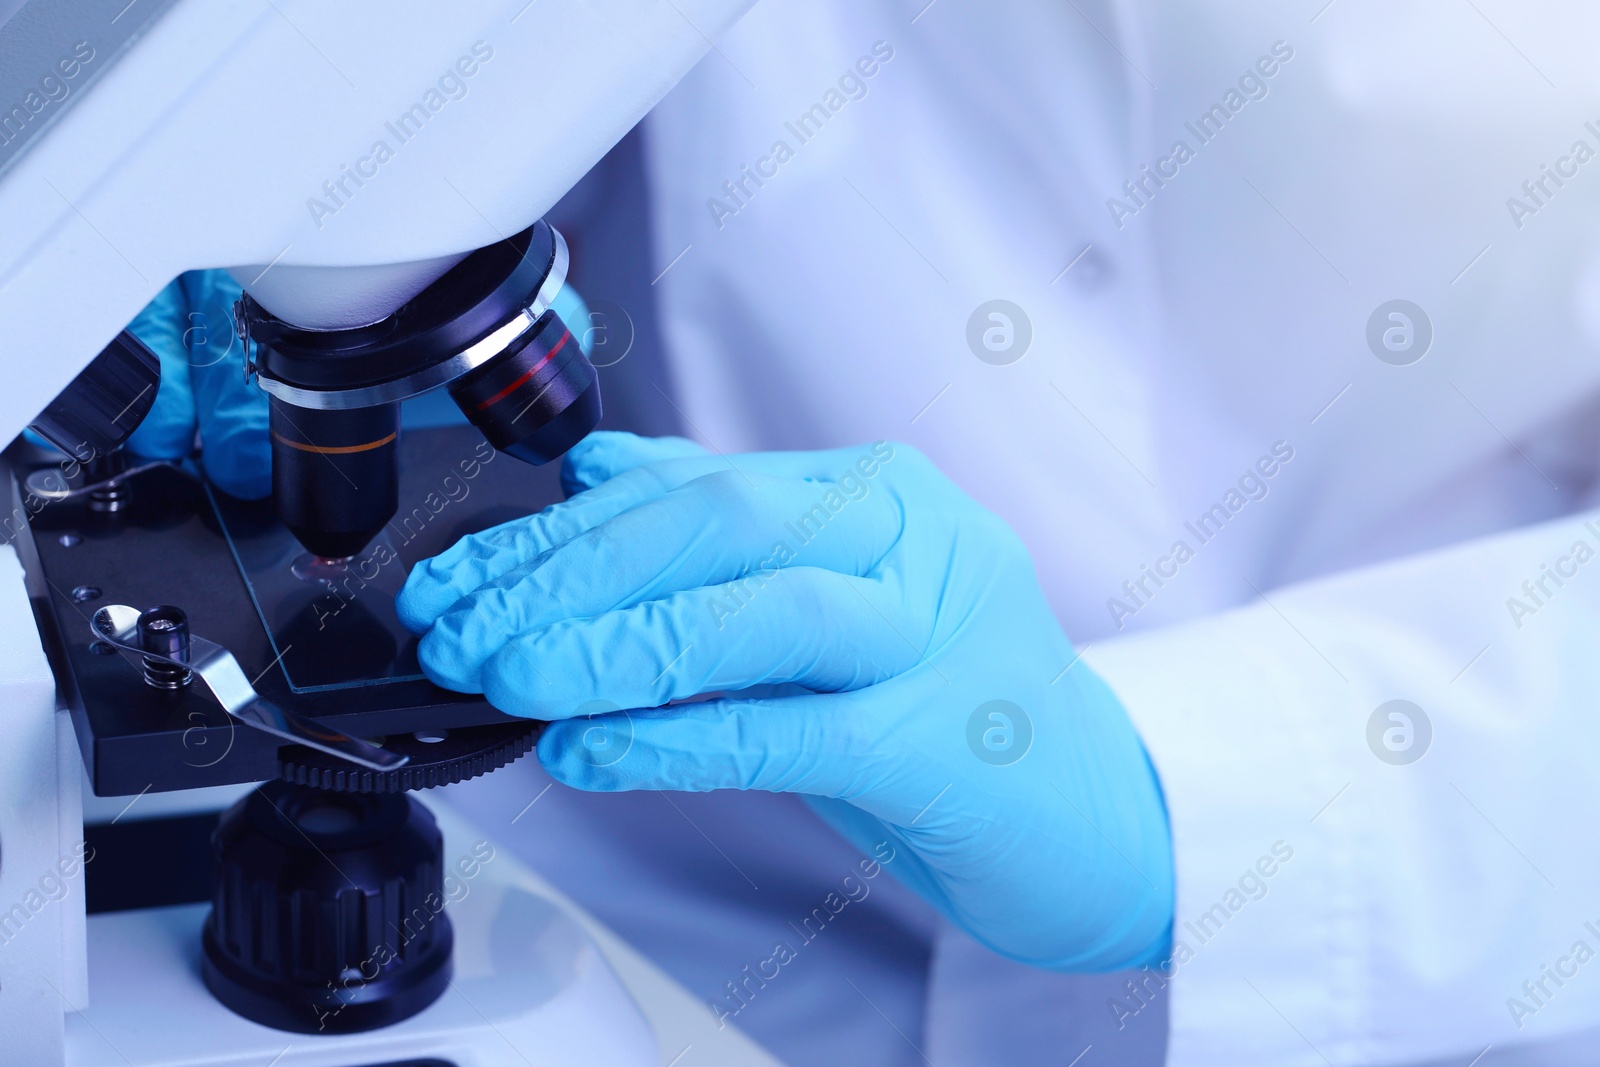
317 640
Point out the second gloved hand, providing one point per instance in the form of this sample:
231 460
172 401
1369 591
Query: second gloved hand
932 707
189 326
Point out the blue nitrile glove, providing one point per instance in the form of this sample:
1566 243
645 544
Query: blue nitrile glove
937 715
189 325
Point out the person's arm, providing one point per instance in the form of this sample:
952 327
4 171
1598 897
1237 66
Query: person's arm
1332 894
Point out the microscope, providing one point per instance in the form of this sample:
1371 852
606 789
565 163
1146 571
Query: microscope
254 874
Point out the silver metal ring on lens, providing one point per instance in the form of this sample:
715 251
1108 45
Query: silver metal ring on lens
430 378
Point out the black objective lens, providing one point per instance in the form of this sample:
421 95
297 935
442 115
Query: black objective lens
335 474
536 399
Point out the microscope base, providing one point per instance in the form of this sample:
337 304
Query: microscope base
530 986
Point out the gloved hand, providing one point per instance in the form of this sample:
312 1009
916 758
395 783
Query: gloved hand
189 325
938 712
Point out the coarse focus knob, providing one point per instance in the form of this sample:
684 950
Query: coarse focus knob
328 910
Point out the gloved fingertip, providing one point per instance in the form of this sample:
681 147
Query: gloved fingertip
570 485
565 757
429 591
441 659
607 453
411 604
513 683
594 459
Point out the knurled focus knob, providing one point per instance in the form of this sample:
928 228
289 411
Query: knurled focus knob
328 910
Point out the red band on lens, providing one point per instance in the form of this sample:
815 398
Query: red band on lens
526 375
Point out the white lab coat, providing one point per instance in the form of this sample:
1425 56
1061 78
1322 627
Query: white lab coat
1222 318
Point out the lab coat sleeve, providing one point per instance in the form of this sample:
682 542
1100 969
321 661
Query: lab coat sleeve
1340 906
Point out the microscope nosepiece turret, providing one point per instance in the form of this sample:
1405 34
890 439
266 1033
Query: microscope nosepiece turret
484 330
